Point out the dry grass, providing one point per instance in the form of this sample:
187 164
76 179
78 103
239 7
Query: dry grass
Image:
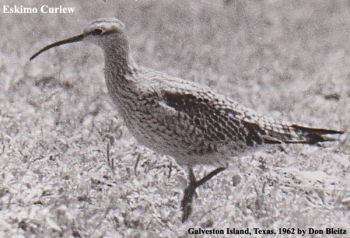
287 59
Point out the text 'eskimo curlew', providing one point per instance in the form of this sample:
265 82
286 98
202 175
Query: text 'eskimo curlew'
46 9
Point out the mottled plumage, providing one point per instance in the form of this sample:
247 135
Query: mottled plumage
192 123
185 120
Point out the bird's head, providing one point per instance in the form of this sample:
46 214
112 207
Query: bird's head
106 32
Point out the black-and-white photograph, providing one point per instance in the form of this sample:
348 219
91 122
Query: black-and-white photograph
175 118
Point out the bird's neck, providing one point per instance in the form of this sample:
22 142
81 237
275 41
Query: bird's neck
119 61
120 71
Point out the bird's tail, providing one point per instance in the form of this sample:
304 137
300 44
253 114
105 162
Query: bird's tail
309 135
280 132
296 134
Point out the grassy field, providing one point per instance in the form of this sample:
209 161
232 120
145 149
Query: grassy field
286 59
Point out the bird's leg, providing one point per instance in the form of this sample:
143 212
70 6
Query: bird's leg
191 189
209 176
188 195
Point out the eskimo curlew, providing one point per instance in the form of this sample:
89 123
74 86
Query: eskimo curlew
189 122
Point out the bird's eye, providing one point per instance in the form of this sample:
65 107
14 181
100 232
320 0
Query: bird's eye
97 32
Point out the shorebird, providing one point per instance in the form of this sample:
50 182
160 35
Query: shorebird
182 119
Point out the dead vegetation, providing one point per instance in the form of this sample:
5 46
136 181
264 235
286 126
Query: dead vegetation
68 166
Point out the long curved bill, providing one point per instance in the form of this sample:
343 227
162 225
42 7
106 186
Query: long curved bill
58 43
